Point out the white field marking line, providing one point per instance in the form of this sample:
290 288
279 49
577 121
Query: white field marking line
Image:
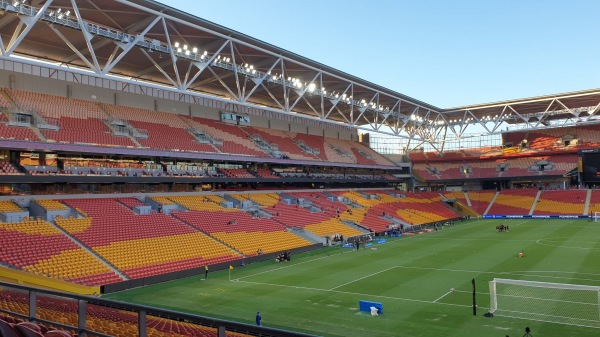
323 257
364 277
475 239
294 264
522 222
357 294
541 320
458 226
439 298
554 316
517 273
566 247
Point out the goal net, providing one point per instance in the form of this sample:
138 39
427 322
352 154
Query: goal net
596 216
543 301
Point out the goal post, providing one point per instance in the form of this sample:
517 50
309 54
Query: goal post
561 303
596 216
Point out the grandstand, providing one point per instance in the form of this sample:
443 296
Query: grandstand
152 154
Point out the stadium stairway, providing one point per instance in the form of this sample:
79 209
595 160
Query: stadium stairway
535 202
305 234
491 203
89 250
207 234
394 221
588 198
468 199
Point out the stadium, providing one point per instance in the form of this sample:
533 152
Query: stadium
162 175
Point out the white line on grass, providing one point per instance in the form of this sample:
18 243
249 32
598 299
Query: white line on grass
293 264
562 246
364 277
323 257
357 294
517 273
520 223
439 298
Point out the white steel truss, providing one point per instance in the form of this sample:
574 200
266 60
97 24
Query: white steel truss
162 47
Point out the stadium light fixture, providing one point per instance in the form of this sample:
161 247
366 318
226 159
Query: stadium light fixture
195 50
176 44
185 47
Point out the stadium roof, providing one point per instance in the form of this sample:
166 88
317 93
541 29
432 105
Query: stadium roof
143 41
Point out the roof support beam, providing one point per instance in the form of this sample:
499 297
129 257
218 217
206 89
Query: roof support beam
29 22
128 45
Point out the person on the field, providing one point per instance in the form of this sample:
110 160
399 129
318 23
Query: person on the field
206 272
258 318
374 311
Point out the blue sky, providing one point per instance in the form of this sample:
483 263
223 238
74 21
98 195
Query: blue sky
446 53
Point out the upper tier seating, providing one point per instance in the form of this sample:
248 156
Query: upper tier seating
312 141
509 167
99 124
17 132
281 139
235 140
89 131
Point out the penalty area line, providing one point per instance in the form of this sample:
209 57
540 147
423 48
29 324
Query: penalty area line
439 298
354 293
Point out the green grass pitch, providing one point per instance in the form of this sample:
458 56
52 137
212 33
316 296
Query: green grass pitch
318 292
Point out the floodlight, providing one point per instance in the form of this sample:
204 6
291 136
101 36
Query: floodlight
16 3
176 44
185 47
68 13
179 50
187 52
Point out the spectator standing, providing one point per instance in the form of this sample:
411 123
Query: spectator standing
258 318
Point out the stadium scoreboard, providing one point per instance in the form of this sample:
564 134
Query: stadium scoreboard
590 165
